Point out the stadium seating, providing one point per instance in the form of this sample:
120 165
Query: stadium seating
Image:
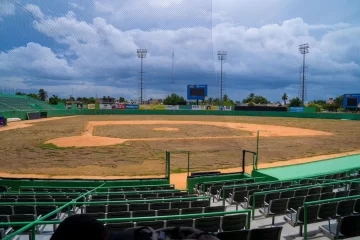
23 103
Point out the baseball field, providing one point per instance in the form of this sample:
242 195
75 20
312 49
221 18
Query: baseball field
125 146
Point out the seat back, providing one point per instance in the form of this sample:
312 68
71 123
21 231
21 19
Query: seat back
272 233
326 189
354 185
214 209
97 215
125 214
117 207
143 213
357 206
278 206
354 192
232 235
165 194
327 210
286 184
311 198
168 212
272 196
157 206
301 192
263 186
287 194
119 227
138 206
24 209
6 210
95 209
349 226
327 195
341 194
153 224
312 213
314 190
345 207
208 224
46 209
295 202
259 200
201 203
180 205
233 222
21 218
179 223
191 210
239 196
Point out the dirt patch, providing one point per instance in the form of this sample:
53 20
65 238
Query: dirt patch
87 139
165 129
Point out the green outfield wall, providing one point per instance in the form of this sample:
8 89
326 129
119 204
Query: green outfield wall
61 113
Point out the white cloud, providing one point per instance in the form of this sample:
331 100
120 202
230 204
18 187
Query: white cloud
76 6
6 8
35 11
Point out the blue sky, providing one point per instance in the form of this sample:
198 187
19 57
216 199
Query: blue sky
84 47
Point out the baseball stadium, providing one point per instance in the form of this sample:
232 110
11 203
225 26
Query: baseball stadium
224 169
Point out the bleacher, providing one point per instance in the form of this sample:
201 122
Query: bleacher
325 207
22 103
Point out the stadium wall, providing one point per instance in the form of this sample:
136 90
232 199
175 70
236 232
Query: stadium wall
61 113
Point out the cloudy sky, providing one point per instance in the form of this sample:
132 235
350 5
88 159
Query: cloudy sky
88 47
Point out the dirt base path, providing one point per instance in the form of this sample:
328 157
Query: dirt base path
29 123
88 140
179 179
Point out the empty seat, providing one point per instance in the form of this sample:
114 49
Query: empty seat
315 190
153 224
201 203
191 210
208 224
287 194
179 223
147 195
252 187
24 209
271 196
9 200
117 207
143 213
113 197
327 195
301 192
346 227
286 184
345 207
296 217
311 198
263 186
6 210
42 210
259 201
341 194
138 206
354 192
180 205
97 215
26 200
165 194
326 189
214 209
21 218
119 227
179 194
357 206
95 209
275 185
327 210
233 235
45 200
161 205
276 207
354 185
168 212
233 222
237 197
272 233
125 214
224 192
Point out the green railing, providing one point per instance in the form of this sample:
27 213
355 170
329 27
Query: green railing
306 204
32 225
41 221
295 188
106 202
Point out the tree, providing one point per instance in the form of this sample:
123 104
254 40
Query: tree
20 94
32 95
210 100
295 102
42 95
91 100
121 99
331 107
320 102
250 98
54 100
315 105
284 98
173 99
225 98
339 100
255 99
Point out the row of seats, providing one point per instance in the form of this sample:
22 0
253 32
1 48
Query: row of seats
322 212
272 233
206 224
139 196
345 227
206 185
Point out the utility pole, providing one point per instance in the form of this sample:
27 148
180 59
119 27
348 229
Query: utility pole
221 56
172 71
141 53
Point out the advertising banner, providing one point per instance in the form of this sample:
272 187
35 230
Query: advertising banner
145 107
184 107
105 106
172 107
197 107
214 108
159 107
296 109
91 106
118 106
132 106
227 108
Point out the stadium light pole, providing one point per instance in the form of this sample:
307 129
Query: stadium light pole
304 49
221 57
141 53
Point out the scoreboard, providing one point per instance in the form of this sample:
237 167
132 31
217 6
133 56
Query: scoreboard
196 92
352 100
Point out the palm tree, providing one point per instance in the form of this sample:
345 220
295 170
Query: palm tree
225 98
210 100
284 98
42 95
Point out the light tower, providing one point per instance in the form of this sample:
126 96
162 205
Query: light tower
221 56
141 53
304 49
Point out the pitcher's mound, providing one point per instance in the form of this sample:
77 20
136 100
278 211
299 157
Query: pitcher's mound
165 129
